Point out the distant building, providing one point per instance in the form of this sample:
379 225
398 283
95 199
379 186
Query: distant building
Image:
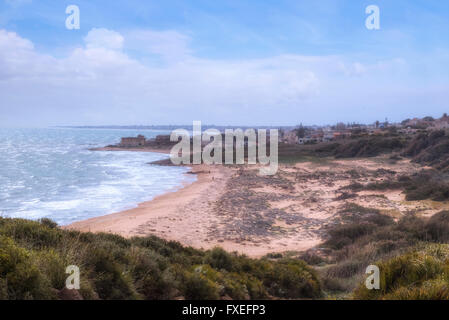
163 140
290 137
130 142
328 136
317 137
339 135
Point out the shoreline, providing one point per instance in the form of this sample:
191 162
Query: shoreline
190 215
187 215
235 208
127 222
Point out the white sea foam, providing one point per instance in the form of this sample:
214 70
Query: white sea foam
50 173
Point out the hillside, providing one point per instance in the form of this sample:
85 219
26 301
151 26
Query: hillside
34 257
413 264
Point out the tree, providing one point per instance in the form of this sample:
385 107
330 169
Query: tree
301 131
340 126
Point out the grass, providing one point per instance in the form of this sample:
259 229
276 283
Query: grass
34 256
367 237
419 274
428 148
411 253
367 146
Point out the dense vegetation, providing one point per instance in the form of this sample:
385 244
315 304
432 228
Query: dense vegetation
420 274
34 257
427 184
367 237
430 148
364 146
411 254
427 147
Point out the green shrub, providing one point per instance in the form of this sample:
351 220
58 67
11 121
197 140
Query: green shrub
111 280
428 184
219 259
429 290
255 287
3 289
21 277
291 279
346 269
352 247
48 222
420 274
335 285
437 227
198 287
344 235
153 279
34 256
52 267
30 233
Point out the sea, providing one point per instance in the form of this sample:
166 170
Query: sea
51 173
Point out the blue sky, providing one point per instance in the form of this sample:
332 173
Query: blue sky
224 62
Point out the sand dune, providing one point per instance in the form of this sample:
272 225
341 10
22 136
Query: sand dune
236 208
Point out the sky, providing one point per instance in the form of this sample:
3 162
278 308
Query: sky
223 62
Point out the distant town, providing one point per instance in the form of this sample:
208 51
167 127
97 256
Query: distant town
298 134
314 134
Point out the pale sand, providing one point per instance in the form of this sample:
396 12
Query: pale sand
170 206
238 210
188 216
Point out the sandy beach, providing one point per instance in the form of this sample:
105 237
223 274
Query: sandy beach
188 215
171 214
235 208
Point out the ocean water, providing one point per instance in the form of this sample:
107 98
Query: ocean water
51 173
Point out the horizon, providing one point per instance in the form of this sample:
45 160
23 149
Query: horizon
158 126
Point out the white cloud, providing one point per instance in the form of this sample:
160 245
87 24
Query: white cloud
99 83
11 41
104 38
18 59
171 45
